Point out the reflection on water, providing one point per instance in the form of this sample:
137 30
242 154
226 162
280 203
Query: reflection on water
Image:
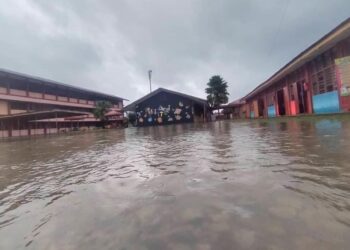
277 184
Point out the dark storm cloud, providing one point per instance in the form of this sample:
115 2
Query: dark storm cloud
110 45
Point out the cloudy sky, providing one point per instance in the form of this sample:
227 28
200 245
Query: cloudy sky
109 45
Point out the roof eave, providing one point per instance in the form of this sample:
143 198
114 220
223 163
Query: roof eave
132 106
55 83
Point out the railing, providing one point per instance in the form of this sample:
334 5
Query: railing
18 92
29 96
3 90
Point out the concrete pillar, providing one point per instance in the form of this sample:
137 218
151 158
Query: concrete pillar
308 85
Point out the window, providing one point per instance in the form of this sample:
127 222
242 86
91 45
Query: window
251 106
323 76
271 99
324 81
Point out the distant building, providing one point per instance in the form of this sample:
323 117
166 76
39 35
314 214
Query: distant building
234 109
33 106
164 106
317 81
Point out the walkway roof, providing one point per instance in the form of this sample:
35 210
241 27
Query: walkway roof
236 103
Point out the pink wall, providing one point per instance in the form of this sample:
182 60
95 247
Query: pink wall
63 98
44 101
293 108
38 131
3 90
16 133
35 95
18 92
50 97
4 133
73 100
51 131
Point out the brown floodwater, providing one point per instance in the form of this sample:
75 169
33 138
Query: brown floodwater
267 184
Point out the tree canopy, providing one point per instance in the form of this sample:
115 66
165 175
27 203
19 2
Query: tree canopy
217 91
102 107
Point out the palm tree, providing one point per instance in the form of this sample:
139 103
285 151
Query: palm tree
100 111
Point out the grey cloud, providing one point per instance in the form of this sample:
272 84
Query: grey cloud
110 45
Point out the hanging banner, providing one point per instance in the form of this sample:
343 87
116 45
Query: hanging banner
343 67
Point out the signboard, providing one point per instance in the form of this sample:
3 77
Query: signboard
343 66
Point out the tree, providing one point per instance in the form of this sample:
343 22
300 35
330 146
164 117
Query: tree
217 91
100 111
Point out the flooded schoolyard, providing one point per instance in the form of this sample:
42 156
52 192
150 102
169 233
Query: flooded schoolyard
266 184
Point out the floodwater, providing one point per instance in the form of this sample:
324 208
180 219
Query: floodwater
267 184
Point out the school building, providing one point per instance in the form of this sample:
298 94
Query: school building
164 106
35 106
317 81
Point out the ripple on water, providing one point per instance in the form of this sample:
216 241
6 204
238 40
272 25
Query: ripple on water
217 185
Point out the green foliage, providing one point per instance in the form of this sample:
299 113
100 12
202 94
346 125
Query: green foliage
102 107
217 91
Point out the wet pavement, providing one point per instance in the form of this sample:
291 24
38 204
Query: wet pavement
266 184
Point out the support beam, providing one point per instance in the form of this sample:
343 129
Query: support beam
10 128
56 123
27 89
309 91
2 129
7 87
18 127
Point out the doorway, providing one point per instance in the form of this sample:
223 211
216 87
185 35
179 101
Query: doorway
281 102
302 97
261 107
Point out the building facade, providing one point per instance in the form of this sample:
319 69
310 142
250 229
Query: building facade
33 106
163 106
317 81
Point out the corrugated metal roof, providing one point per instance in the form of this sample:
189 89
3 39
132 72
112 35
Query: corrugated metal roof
131 106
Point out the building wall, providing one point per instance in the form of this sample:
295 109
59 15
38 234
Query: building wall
3 108
165 108
17 111
21 90
343 77
320 86
255 108
18 95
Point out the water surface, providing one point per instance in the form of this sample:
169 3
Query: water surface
277 184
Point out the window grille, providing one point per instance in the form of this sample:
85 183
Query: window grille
323 76
270 99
